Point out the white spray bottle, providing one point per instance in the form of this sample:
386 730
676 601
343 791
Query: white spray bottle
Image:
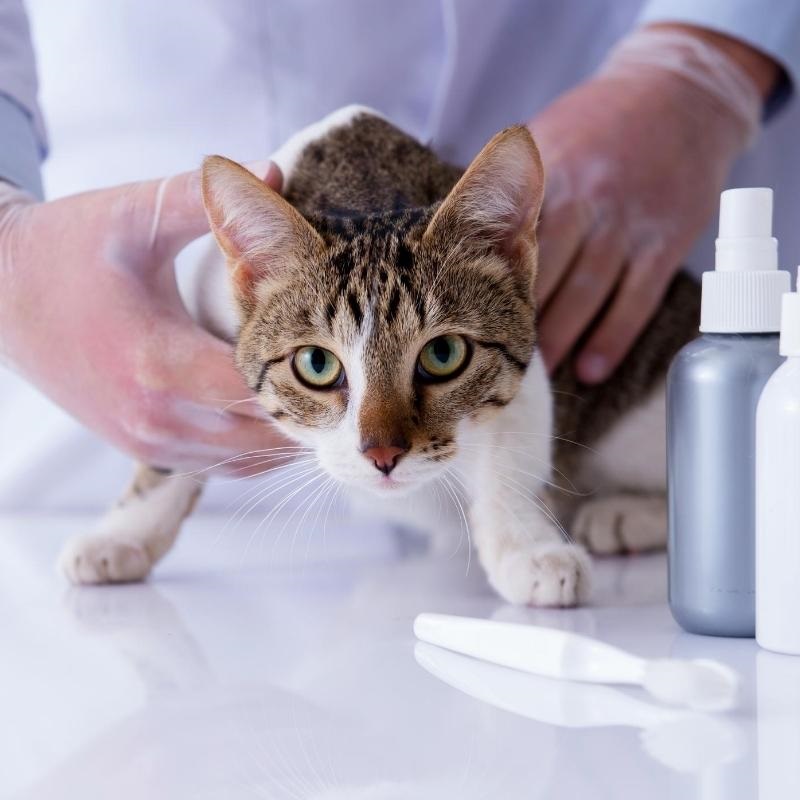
778 494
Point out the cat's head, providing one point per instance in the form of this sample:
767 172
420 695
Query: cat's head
375 340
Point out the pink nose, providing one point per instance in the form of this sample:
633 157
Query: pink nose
384 458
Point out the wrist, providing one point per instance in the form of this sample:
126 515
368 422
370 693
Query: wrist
762 70
714 80
13 202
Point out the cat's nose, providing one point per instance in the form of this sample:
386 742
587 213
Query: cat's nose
384 458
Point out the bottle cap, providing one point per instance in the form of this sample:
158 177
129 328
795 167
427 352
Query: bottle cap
790 324
743 293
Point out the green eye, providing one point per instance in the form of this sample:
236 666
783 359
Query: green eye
317 367
443 357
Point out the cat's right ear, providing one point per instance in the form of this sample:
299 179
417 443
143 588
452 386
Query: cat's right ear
261 234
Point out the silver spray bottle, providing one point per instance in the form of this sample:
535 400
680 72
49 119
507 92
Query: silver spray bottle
713 388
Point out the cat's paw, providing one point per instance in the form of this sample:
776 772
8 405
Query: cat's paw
622 523
102 558
543 575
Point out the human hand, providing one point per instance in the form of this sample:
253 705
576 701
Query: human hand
635 159
90 313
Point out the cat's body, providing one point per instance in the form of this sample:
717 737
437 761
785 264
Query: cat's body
391 268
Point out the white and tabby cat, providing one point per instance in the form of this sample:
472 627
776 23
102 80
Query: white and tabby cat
387 322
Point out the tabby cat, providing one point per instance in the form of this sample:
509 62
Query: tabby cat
386 321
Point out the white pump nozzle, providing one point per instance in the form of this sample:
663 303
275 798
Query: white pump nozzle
745 212
743 293
745 242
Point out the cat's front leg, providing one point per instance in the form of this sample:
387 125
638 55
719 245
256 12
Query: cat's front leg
136 533
526 553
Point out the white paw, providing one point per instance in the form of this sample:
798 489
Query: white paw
543 575
104 558
623 523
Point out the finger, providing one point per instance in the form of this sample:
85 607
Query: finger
640 293
213 378
179 215
560 234
579 298
239 445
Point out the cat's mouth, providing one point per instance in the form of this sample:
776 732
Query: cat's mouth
391 484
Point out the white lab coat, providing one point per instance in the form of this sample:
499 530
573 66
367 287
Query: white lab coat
142 88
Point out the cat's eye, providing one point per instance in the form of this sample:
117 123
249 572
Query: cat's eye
443 358
317 367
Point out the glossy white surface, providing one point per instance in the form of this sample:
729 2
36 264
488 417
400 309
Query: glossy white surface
293 673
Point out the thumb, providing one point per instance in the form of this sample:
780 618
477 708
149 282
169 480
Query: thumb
178 212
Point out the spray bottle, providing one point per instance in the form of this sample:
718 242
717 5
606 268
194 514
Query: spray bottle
713 387
778 494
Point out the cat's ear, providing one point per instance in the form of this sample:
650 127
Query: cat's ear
261 234
497 202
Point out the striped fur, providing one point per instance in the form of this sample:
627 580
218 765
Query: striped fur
375 249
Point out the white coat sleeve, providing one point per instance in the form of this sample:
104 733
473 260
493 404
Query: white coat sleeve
22 137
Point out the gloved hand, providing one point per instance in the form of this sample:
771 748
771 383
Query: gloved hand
635 159
90 313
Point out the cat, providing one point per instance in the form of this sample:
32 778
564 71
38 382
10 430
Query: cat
387 322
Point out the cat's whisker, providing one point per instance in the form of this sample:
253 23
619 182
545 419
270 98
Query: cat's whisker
321 786
297 785
257 461
452 473
523 491
544 482
554 517
252 493
336 494
538 478
551 436
566 394
279 487
460 507
224 409
298 507
266 489
328 489
288 469
449 496
310 502
238 456
292 770
518 450
573 489
253 472
506 506
438 494
438 483
282 504
331 488
259 755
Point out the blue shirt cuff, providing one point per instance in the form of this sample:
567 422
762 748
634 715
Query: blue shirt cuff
773 28
19 148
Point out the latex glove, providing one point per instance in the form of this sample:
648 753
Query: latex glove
635 159
90 313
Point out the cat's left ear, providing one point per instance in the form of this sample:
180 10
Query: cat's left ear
261 234
497 202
